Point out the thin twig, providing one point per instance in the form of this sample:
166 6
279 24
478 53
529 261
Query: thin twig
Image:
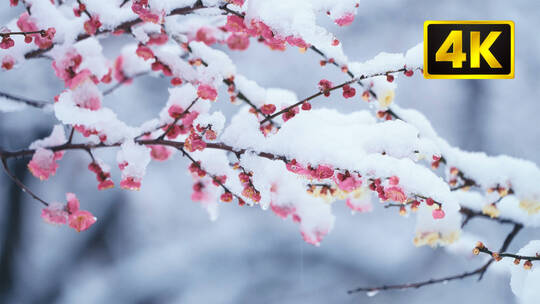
244 98
43 104
20 183
119 84
509 255
214 177
30 102
85 11
479 271
517 228
287 109
71 133
473 213
356 79
230 11
422 283
184 113
6 34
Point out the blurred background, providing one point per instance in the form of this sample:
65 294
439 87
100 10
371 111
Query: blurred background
157 246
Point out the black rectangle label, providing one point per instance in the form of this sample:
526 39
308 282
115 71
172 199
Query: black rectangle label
469 49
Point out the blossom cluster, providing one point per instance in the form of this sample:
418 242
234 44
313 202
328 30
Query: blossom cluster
69 213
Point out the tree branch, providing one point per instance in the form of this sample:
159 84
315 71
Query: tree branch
160 141
356 79
29 102
43 104
85 11
7 34
71 133
214 177
121 83
421 283
479 271
19 182
470 213
186 111
496 255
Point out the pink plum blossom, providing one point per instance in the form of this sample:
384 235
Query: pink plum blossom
188 119
297 41
103 175
7 43
175 111
158 39
194 142
160 152
313 237
66 68
144 52
43 163
347 183
361 206
322 172
118 71
131 183
345 20
55 213
78 79
238 42
237 2
282 211
8 62
72 203
294 166
206 35
92 25
235 24
290 114
207 92
140 7
437 213
27 24
348 91
81 220
325 86
395 193
268 109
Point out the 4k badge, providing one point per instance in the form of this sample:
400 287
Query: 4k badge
469 49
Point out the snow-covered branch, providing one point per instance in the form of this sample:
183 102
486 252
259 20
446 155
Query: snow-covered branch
276 152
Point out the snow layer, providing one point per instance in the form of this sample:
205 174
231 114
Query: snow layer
522 176
356 143
524 283
298 18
